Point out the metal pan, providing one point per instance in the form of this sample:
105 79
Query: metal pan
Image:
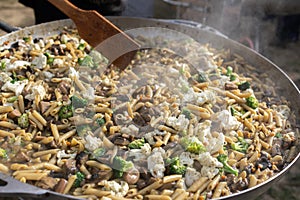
9 187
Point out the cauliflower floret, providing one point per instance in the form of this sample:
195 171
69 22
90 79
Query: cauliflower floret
16 64
215 143
191 175
40 61
16 87
181 123
4 77
37 89
224 120
58 62
149 136
156 164
92 143
206 159
116 189
140 154
207 96
186 159
209 172
73 73
204 131
63 155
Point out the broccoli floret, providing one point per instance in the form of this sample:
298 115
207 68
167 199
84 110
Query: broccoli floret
175 167
79 178
241 145
244 85
226 167
234 112
3 153
97 153
120 166
86 61
78 102
192 145
23 121
252 102
65 112
136 144
187 113
83 129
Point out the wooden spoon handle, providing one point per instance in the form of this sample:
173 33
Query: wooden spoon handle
68 8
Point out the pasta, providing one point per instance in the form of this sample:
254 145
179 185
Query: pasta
171 126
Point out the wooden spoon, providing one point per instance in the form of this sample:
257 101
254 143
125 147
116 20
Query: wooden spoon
100 33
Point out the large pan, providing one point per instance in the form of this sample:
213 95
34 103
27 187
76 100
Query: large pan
284 86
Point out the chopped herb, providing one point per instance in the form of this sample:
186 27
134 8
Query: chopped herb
232 77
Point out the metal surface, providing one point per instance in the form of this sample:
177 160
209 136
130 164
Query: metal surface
284 87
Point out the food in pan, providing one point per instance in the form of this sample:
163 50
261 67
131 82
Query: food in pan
162 129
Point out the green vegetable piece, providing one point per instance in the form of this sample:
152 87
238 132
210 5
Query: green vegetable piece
252 102
3 153
100 121
234 112
241 145
79 178
226 167
192 145
187 113
50 59
23 121
86 61
232 77
98 153
175 167
12 99
83 130
78 102
244 85
229 71
201 78
26 39
2 65
65 112
81 46
120 165
136 144
278 135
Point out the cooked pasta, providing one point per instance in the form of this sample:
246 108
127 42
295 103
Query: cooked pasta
171 126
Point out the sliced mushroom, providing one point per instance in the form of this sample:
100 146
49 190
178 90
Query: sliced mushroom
132 176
